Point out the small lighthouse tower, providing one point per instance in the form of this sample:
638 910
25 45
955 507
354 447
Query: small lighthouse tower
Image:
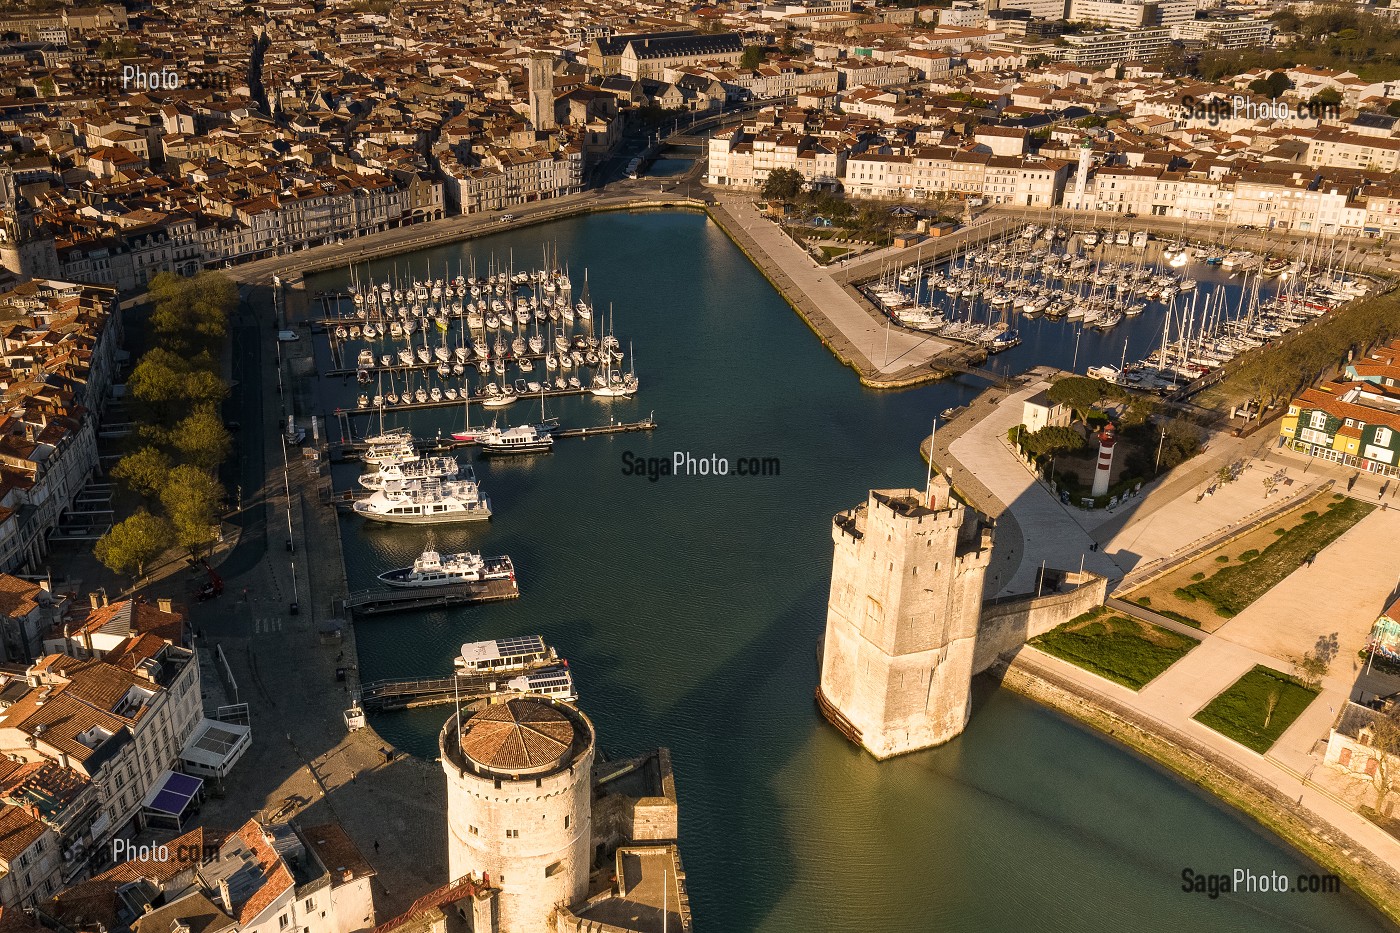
1081 175
1108 440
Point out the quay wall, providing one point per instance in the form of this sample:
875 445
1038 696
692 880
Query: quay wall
1008 624
1358 868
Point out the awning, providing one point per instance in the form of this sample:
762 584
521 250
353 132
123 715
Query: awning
214 747
170 799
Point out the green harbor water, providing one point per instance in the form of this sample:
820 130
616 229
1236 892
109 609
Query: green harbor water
690 609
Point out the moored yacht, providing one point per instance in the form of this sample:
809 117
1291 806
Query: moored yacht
434 569
522 439
427 502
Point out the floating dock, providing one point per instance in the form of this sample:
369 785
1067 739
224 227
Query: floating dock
408 599
347 451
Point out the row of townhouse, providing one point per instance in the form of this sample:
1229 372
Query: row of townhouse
744 160
1280 196
259 878
88 733
1354 421
60 353
131 249
494 178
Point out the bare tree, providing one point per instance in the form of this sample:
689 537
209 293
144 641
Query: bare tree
1384 735
1270 704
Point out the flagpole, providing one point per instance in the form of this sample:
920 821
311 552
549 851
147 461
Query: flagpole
928 481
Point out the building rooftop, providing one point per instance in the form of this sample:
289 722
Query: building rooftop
523 735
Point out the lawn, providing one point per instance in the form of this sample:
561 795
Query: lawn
1117 648
1230 589
1240 713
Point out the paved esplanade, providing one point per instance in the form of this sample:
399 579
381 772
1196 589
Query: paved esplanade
980 464
857 333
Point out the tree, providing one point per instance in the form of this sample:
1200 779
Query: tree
201 439
783 184
134 542
1271 87
192 500
168 384
144 471
1329 96
1311 668
753 56
1385 739
1080 393
1271 704
192 311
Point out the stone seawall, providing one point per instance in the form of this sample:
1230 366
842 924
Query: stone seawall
1009 624
1358 868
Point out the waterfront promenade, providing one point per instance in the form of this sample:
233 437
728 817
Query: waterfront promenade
303 764
1339 596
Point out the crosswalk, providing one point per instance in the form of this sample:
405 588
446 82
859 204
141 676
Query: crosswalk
266 625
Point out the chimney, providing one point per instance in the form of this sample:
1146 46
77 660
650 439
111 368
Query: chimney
92 598
165 605
104 597
224 896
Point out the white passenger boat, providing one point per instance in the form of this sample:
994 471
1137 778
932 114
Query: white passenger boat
434 569
394 475
504 655
522 439
427 502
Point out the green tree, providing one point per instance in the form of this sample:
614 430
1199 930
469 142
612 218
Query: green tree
145 471
192 312
783 184
1273 86
168 384
1080 393
133 543
753 56
192 499
201 439
1328 95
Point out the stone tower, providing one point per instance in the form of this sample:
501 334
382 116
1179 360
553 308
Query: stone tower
27 248
542 91
519 806
901 623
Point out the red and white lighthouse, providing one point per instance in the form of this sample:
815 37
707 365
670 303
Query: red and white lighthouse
1108 439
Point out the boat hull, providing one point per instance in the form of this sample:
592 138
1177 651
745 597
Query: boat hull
446 518
538 448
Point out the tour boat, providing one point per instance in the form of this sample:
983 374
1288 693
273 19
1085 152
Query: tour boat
522 439
396 474
427 502
434 569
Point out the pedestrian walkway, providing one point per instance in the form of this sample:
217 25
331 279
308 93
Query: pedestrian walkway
857 334
1050 535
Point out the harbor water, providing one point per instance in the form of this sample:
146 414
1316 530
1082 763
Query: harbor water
690 608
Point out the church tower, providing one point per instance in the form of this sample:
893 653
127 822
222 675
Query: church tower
541 74
901 624
27 247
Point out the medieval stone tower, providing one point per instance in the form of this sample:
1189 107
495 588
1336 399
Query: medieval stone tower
519 807
541 74
902 619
